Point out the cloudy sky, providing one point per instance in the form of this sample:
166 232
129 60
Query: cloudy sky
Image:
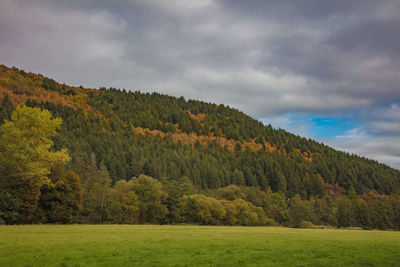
329 70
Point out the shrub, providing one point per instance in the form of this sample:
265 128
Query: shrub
308 224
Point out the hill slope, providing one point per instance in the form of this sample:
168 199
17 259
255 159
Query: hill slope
133 133
152 158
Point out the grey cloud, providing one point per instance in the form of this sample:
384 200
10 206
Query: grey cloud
384 121
264 57
155 44
383 149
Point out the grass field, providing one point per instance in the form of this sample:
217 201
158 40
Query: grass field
149 245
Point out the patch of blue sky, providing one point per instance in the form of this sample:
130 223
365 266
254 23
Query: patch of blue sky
332 127
319 127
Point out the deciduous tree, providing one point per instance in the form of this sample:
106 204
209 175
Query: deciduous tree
25 156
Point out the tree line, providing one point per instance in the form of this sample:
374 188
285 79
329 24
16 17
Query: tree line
37 188
98 150
101 121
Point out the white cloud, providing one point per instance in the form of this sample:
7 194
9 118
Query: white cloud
294 123
356 133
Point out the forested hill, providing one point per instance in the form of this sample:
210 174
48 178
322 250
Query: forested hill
132 133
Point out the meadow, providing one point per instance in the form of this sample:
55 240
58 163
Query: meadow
154 245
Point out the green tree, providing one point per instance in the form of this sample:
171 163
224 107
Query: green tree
211 211
230 192
248 214
176 189
60 200
299 211
124 205
345 212
231 216
276 207
8 208
96 194
189 209
25 156
361 214
324 211
152 198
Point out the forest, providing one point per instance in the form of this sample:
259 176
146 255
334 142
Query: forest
76 155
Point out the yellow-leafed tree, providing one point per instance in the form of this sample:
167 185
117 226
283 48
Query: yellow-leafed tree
26 157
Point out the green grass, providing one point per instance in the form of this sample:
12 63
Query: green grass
150 245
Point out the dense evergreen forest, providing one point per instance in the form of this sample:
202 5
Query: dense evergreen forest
76 155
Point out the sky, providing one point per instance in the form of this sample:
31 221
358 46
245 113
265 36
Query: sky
327 70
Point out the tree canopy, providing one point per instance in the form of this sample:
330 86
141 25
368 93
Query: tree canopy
25 155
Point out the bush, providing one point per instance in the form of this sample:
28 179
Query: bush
8 208
308 224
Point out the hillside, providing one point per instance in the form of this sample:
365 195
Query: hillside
126 134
